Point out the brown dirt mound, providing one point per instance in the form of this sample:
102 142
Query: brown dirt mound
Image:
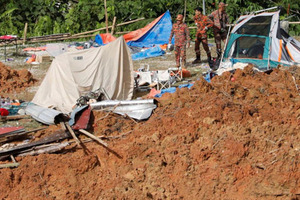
14 81
231 139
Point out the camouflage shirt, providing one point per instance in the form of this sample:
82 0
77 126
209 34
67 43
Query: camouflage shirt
182 34
202 22
220 19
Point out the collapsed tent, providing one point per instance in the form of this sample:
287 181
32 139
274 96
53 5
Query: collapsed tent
73 74
155 33
258 39
104 38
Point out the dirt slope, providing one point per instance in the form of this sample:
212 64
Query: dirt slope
14 80
236 138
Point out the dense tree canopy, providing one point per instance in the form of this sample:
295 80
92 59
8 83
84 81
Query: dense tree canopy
74 16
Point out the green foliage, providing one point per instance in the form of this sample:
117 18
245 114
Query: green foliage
74 16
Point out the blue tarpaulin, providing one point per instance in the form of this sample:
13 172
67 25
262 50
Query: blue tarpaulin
98 39
159 34
152 52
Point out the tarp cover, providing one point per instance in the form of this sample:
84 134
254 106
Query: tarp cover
104 38
155 33
152 52
73 73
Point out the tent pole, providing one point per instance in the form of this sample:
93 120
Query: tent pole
225 45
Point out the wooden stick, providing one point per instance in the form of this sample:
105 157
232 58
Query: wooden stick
13 158
73 134
14 117
106 18
25 33
93 137
113 25
9 165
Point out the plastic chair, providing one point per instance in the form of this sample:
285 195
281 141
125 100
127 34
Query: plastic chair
176 72
163 79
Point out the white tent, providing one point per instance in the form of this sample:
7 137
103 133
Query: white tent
73 73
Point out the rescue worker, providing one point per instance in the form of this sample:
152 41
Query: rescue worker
220 19
182 39
203 23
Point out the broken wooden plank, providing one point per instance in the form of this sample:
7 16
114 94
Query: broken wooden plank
56 136
12 136
73 134
93 137
48 148
9 165
14 117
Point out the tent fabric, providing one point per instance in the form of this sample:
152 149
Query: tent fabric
152 52
8 37
74 74
104 38
155 33
258 39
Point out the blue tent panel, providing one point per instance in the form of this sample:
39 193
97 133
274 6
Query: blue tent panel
152 52
159 34
98 39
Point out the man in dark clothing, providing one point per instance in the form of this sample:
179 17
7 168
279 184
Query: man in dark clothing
203 23
182 38
220 19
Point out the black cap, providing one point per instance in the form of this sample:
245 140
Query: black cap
199 9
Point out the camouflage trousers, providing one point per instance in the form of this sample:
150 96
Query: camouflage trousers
219 36
204 42
180 52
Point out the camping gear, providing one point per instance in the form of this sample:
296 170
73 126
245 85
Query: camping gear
148 53
104 38
75 73
155 33
137 109
258 39
55 49
44 115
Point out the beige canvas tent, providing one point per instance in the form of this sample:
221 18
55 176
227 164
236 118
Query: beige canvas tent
72 73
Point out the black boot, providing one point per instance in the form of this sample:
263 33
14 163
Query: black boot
208 56
219 53
198 60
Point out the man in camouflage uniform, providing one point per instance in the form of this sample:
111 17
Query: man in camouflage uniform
220 19
203 23
182 38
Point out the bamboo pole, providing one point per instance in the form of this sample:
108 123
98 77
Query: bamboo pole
184 11
106 18
100 29
113 25
25 33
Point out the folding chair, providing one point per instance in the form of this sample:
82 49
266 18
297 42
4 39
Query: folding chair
162 78
176 72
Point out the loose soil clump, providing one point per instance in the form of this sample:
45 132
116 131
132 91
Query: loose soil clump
234 138
14 80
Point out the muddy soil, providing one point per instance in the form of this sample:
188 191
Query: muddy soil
14 81
234 138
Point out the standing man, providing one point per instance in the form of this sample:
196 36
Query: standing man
220 19
182 38
203 23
